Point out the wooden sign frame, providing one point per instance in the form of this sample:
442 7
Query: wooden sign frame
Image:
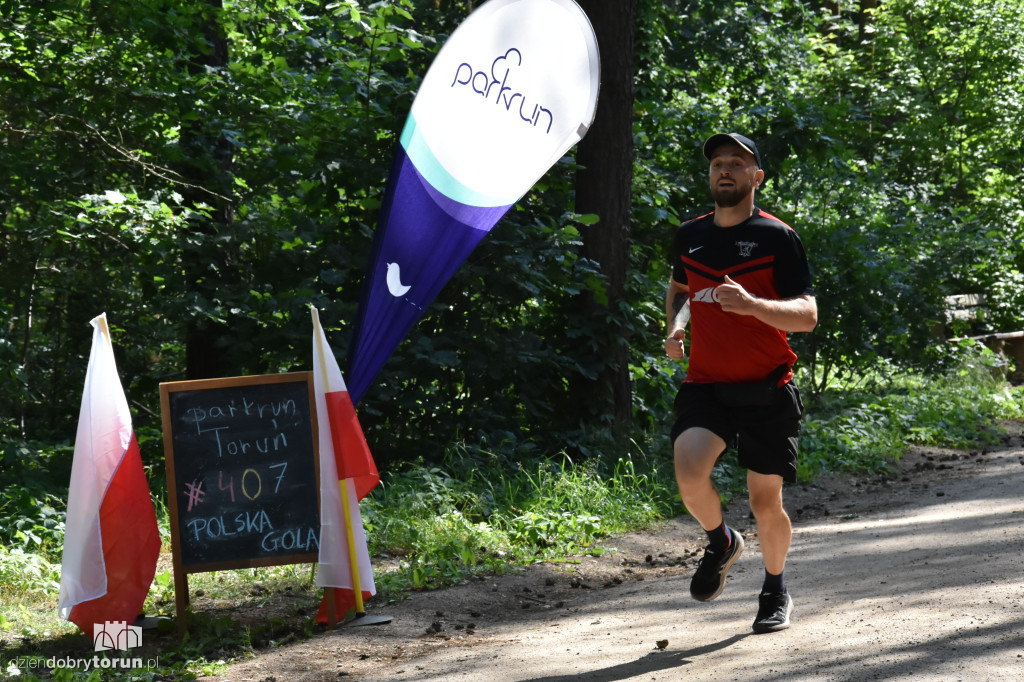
180 567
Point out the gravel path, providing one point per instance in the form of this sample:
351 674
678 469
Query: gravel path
915 576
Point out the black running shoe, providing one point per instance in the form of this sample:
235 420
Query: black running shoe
773 611
709 579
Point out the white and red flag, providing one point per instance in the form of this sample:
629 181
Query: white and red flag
347 474
111 540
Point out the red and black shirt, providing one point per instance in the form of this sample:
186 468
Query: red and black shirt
763 255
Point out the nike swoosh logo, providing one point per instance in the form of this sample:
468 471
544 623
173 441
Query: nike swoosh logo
697 248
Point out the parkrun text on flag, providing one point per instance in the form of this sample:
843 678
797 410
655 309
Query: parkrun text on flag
513 89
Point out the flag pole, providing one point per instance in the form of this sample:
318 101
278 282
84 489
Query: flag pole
353 559
104 329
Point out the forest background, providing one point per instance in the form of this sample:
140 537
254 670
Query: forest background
204 171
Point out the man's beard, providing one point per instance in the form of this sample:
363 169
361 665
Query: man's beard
727 197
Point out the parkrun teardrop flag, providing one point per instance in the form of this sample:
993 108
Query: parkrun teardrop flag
510 92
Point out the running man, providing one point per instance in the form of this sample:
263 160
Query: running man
745 276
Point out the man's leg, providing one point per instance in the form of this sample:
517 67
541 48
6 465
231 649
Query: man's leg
696 451
774 531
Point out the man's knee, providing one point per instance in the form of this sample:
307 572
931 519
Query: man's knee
689 470
766 511
765 493
695 451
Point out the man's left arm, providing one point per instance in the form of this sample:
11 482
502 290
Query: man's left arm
797 314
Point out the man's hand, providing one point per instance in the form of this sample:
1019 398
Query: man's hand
797 314
674 347
734 298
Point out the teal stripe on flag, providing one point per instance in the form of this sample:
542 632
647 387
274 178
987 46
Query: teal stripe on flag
430 168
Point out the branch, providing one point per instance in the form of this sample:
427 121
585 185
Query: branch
131 156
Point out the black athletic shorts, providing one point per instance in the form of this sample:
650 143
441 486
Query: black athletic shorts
766 436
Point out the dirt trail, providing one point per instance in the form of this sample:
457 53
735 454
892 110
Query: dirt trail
916 575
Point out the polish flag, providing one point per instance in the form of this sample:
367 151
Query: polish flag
111 541
347 470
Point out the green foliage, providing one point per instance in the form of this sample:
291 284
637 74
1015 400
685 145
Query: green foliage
567 507
865 236
27 572
112 146
887 140
186 168
29 519
481 513
863 428
32 505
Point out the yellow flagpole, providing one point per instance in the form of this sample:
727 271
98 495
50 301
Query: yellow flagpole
104 329
353 560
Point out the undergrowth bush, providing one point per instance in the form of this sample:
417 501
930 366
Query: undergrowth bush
27 572
865 428
479 513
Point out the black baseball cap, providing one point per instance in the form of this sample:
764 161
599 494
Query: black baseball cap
719 139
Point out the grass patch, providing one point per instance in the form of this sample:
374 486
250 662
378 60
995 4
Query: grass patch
864 428
480 513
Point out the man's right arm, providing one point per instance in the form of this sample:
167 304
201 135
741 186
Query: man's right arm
674 347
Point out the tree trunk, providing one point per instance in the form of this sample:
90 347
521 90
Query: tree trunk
208 263
604 187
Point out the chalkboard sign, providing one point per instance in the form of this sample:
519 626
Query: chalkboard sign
242 472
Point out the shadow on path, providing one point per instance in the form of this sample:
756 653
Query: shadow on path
653 662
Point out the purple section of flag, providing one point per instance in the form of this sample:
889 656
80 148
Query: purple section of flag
422 238
479 217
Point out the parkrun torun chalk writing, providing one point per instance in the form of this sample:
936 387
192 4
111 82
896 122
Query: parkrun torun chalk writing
245 481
